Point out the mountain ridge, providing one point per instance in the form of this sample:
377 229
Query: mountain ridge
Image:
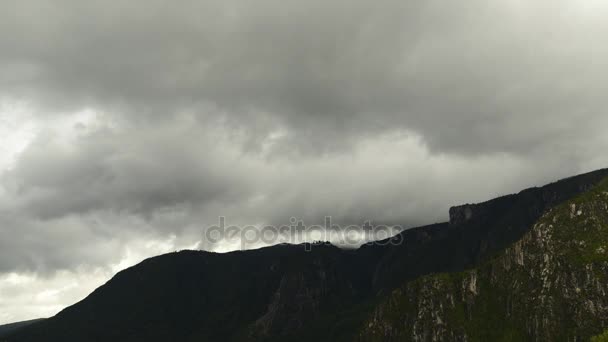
550 285
9 328
284 291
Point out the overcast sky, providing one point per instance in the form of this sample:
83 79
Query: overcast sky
127 127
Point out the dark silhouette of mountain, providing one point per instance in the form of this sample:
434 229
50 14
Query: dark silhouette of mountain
287 292
11 328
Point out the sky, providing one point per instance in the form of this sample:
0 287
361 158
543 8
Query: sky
127 128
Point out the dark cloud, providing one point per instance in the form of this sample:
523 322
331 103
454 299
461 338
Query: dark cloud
138 172
469 77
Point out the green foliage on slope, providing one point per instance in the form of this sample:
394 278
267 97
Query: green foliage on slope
603 337
551 285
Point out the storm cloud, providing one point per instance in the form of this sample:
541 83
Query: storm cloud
127 128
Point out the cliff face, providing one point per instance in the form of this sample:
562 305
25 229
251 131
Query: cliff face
551 285
475 232
303 294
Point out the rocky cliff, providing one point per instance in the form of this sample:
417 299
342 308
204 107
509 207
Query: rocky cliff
551 285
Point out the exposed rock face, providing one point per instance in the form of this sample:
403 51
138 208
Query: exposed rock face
475 232
546 197
301 295
461 214
551 285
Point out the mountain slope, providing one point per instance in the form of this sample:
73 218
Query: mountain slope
474 232
551 285
374 293
11 328
194 296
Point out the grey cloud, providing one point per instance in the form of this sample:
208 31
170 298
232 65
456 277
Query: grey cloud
83 201
472 77
139 171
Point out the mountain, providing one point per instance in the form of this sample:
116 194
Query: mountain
7 329
550 285
530 266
